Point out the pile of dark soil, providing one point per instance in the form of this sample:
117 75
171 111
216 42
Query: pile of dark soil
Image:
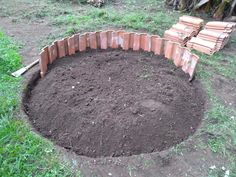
114 103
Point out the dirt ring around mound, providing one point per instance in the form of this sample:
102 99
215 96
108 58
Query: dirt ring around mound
114 103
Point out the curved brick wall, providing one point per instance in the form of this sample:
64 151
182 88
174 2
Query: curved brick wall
181 56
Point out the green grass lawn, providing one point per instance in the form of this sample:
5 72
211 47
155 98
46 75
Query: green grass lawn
220 118
22 152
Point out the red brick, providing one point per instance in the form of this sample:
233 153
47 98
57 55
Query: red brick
98 39
165 41
87 39
103 38
61 48
109 38
177 57
186 60
121 38
76 36
142 40
43 61
82 42
66 46
131 41
71 45
115 40
169 49
191 20
136 45
193 65
52 50
155 43
160 42
126 41
147 43
93 40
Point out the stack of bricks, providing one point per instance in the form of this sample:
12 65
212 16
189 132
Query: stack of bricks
194 22
188 30
219 38
176 36
225 27
184 30
181 56
201 45
213 38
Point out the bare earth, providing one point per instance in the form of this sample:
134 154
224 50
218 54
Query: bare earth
191 162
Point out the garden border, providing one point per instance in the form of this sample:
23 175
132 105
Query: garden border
181 56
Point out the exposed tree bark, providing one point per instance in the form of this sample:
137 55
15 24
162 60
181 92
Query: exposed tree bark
233 7
219 8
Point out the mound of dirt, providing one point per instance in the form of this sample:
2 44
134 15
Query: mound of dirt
114 103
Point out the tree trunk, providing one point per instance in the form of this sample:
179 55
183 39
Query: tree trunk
219 8
219 14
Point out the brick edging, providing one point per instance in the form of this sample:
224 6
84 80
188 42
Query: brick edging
181 56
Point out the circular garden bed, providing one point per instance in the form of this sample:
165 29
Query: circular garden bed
114 103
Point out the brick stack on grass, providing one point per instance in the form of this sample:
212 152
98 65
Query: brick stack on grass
201 45
219 38
193 22
181 56
225 27
176 36
213 38
188 30
184 30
